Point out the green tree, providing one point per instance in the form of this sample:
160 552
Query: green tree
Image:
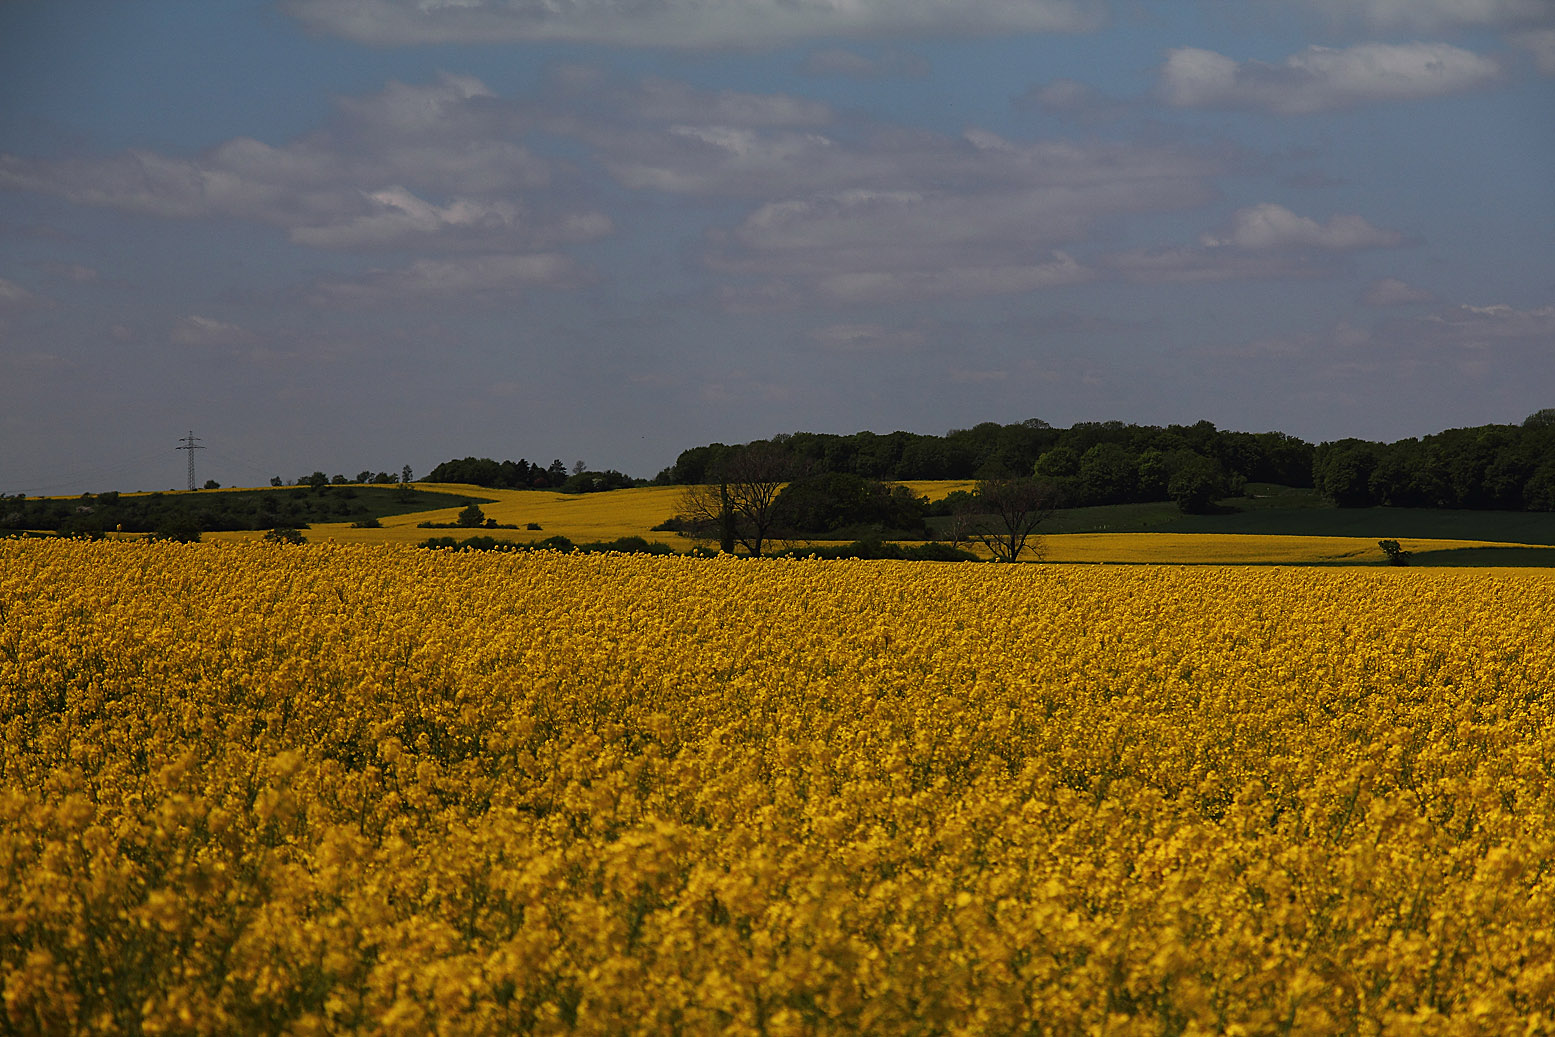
1196 484
1342 471
1396 554
471 516
1108 474
831 501
1061 462
1154 475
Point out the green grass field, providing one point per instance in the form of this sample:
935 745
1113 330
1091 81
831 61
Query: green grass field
1280 511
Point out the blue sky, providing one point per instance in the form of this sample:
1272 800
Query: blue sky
359 234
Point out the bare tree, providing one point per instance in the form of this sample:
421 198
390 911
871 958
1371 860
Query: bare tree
1010 510
741 506
963 518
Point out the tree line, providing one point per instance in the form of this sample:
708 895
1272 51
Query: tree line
184 516
1488 467
521 475
1109 462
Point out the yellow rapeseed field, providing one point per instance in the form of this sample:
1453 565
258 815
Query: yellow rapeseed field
333 789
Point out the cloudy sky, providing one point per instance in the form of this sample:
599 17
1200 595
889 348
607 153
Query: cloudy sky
348 234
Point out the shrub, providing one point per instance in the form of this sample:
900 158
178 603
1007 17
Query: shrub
178 527
1396 554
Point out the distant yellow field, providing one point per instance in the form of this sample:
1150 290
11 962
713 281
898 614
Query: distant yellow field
578 517
583 518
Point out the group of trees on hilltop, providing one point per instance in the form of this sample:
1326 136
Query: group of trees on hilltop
1089 463
1500 467
366 477
521 475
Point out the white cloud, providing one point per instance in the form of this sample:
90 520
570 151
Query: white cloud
852 65
867 338
14 298
960 282
683 23
437 166
663 100
1261 242
1270 226
1481 326
1323 78
1390 291
490 278
1208 265
195 330
419 109
398 217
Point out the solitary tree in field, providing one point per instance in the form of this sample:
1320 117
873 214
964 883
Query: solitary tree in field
1010 510
740 506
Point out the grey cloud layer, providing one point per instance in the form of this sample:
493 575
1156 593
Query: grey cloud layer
1437 14
458 280
835 211
929 216
683 23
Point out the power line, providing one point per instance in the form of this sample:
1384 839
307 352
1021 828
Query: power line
226 459
190 443
83 478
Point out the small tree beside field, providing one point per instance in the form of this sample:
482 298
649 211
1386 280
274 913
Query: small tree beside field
1009 511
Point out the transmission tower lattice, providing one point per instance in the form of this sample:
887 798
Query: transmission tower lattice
191 444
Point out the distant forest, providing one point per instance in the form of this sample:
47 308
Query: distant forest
1109 462
1495 467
